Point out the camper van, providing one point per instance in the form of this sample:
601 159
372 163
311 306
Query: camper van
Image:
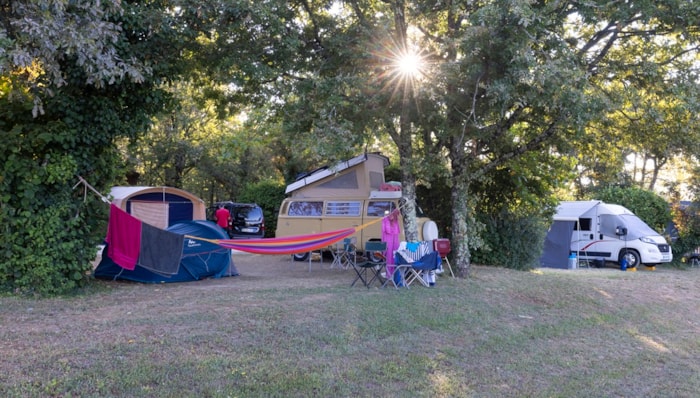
350 194
598 231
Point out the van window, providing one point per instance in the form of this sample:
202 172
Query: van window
380 208
585 224
305 209
343 208
375 179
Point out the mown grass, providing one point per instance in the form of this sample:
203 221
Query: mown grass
501 333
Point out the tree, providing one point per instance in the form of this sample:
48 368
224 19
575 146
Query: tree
66 93
520 76
648 126
39 39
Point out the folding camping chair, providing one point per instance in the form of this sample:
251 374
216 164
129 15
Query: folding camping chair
421 260
369 269
397 276
342 252
349 254
426 265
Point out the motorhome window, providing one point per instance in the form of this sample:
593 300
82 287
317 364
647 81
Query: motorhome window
380 208
343 208
343 181
305 209
585 224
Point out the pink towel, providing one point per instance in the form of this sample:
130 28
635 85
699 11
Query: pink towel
123 238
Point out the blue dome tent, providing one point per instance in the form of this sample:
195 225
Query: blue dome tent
200 259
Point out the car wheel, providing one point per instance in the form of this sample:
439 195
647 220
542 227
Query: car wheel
631 256
301 256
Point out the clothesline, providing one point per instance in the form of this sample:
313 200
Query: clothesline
275 246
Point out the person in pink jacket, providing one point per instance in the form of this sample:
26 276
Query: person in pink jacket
391 230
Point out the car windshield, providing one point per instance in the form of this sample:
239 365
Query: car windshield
247 212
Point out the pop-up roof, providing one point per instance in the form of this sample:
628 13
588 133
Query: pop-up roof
354 178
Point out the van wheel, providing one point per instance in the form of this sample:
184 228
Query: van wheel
301 256
631 256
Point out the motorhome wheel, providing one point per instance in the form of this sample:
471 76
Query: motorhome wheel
631 256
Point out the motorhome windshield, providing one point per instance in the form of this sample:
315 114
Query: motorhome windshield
636 228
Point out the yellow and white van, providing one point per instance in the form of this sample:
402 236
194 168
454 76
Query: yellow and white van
350 194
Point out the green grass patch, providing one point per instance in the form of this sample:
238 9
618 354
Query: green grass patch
502 333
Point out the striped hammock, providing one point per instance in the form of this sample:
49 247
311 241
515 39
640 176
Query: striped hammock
283 245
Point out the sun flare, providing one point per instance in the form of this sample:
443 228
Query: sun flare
409 65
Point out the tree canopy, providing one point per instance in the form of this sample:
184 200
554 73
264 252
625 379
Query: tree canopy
501 100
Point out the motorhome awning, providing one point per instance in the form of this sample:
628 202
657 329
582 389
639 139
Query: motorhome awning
572 211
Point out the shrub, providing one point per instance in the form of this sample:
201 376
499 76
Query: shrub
513 241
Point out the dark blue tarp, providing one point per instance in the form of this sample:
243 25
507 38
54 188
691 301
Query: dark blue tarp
557 245
200 259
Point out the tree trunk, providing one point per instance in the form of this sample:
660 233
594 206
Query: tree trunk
408 177
460 209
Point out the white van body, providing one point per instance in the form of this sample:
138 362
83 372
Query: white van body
348 195
609 232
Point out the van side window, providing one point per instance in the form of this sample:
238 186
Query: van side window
343 208
305 209
380 208
585 224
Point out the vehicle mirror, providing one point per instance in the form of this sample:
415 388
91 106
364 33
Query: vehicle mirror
620 231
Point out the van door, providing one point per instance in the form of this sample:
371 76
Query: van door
583 237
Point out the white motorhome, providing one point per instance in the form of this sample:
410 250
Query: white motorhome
349 194
598 231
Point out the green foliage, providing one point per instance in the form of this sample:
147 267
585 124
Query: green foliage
51 226
268 195
647 205
61 35
50 229
51 250
686 239
514 204
512 240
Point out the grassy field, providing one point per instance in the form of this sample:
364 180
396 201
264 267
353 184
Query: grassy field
279 330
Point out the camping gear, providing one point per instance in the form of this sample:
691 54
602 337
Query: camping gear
421 259
369 269
284 245
199 259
